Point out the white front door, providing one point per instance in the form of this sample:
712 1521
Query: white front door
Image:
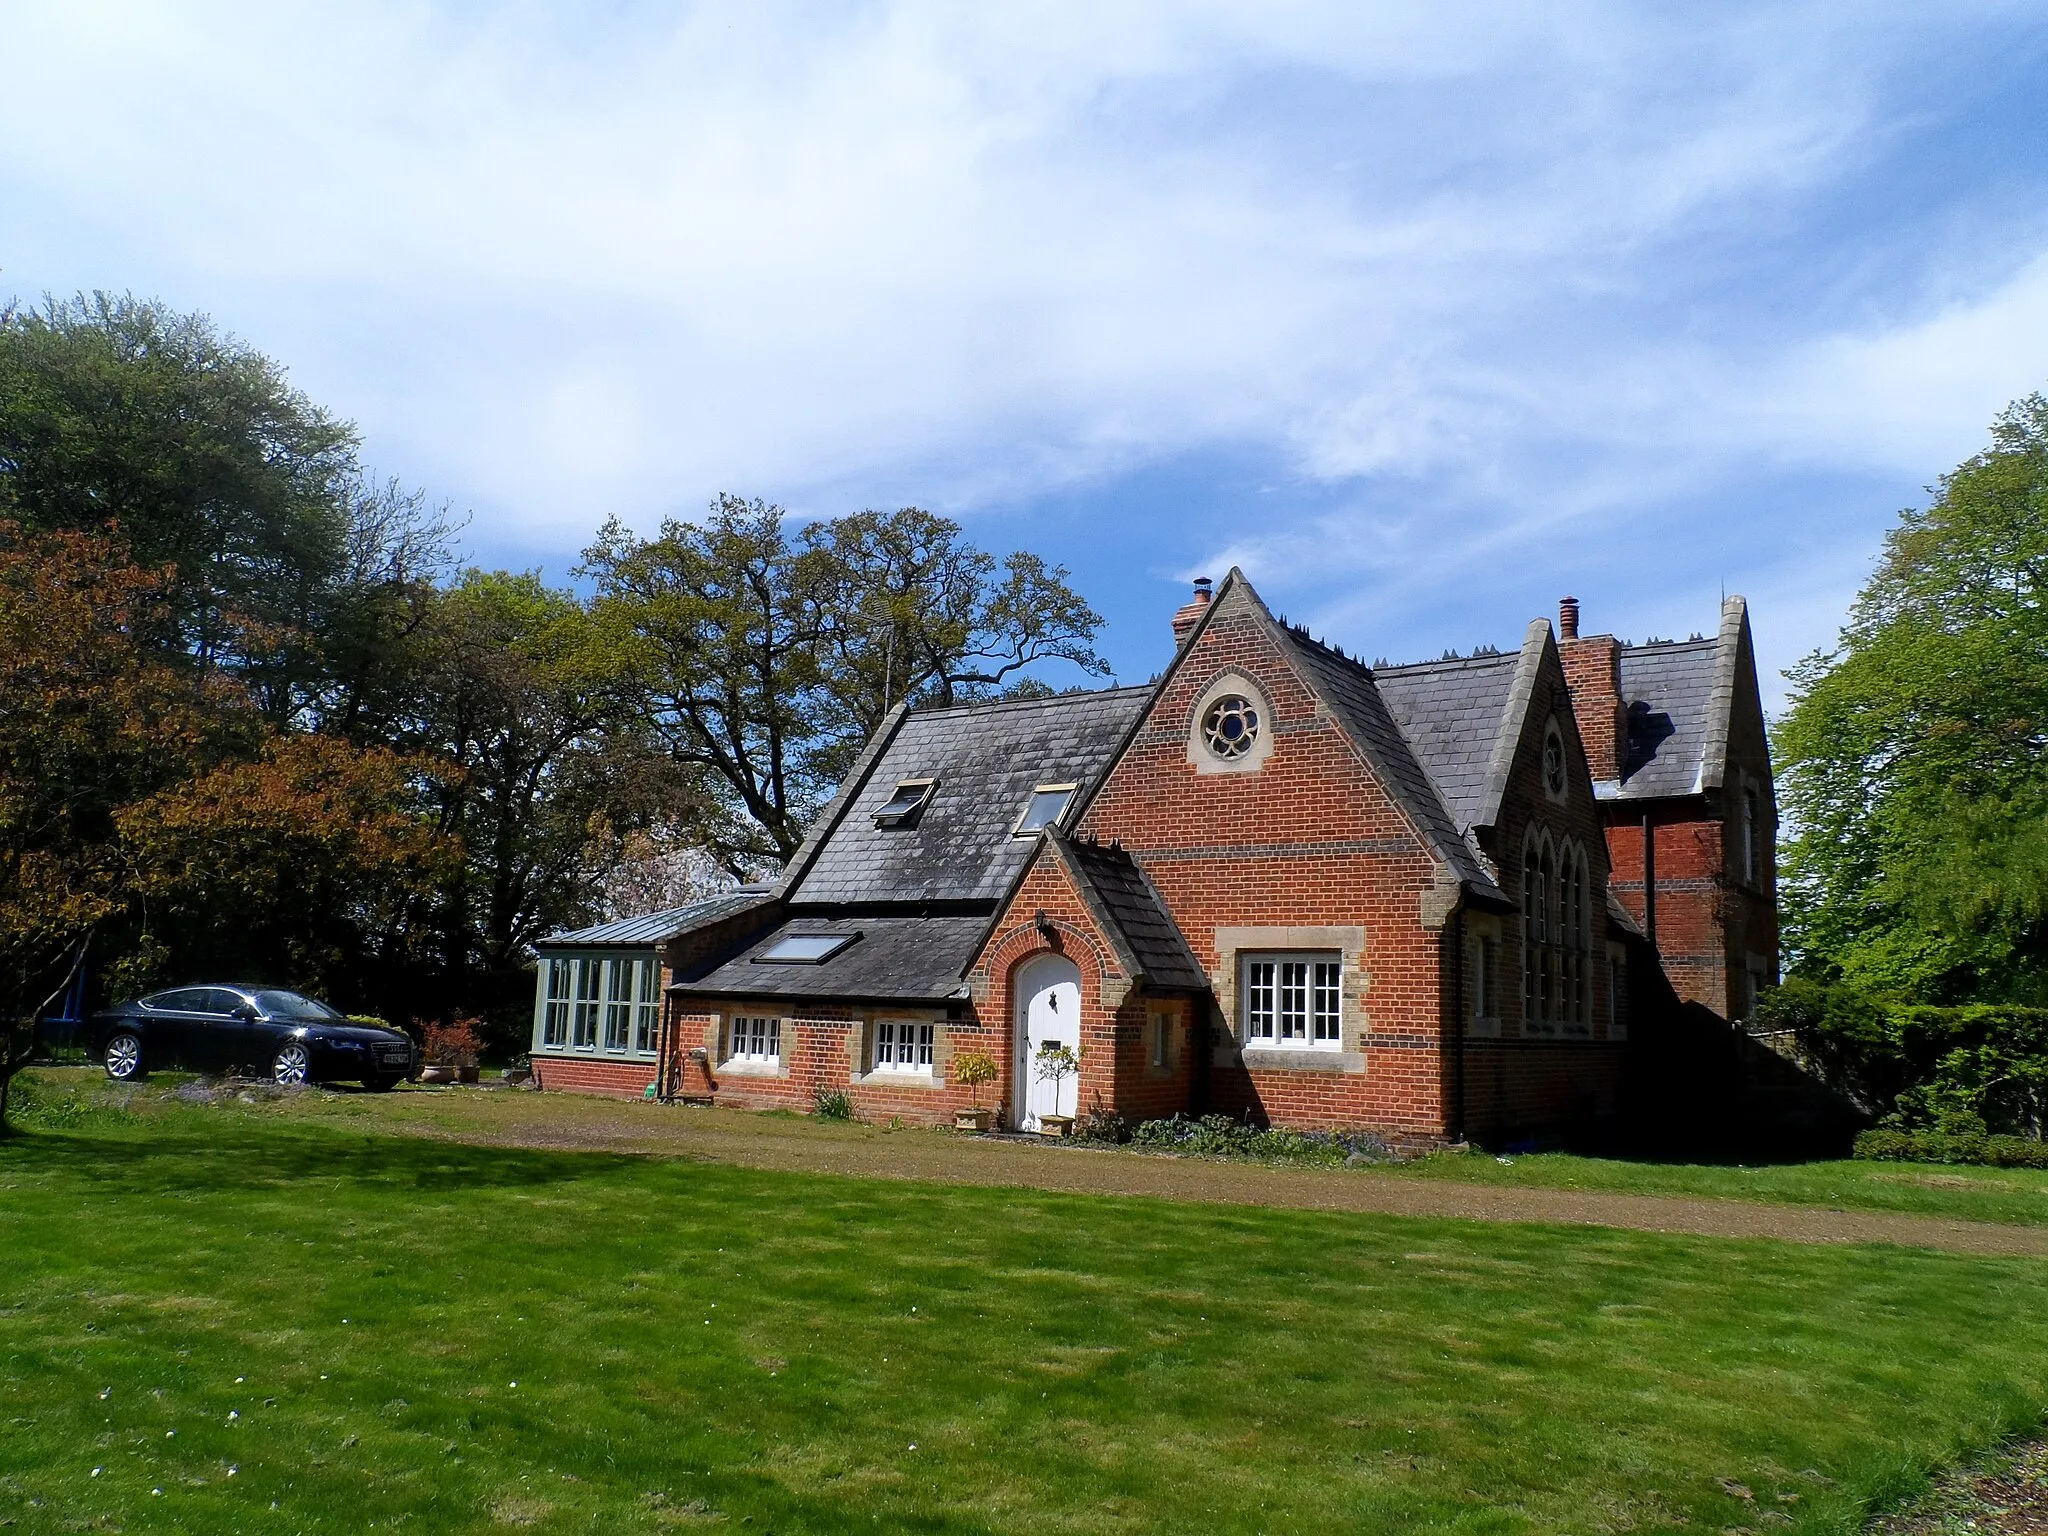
1048 1008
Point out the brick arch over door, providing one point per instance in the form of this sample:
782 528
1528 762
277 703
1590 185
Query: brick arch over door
1004 963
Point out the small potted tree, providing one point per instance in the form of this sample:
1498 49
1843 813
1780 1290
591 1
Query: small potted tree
451 1052
973 1070
1054 1064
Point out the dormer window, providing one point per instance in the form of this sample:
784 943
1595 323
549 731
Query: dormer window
1048 804
911 797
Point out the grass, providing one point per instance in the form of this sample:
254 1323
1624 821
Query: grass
696 1345
2013 1196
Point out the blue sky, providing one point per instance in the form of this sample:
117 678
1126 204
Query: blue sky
1424 314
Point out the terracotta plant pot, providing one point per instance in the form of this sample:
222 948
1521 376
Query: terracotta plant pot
1055 1125
437 1074
972 1119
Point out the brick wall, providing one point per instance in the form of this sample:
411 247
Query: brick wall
1308 841
1117 1075
1713 923
589 1074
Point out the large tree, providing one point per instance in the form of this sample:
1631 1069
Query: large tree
519 694
764 660
152 805
1914 760
290 564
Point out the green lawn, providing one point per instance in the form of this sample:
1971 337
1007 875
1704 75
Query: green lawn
696 1345
2013 1196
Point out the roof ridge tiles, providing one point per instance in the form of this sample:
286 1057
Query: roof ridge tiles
992 706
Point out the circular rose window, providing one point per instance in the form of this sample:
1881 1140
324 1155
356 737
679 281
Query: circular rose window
1231 726
1553 762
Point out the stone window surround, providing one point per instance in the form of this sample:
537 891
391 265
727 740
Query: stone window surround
1200 758
859 1046
730 1065
1617 999
1482 929
1554 732
1174 1014
1348 941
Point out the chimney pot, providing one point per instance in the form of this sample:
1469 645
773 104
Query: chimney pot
1184 621
1568 618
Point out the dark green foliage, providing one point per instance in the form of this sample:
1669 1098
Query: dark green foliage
1962 1070
1896 1146
832 1104
1914 761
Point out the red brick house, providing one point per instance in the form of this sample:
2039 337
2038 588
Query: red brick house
1275 882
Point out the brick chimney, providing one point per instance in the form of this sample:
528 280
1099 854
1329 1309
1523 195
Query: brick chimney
1187 618
1592 670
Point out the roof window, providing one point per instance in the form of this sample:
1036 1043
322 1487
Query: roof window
1048 804
911 797
804 948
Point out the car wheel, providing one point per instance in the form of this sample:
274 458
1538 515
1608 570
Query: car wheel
379 1084
124 1057
292 1066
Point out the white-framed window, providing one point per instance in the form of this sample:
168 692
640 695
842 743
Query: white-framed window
647 1006
755 1037
589 997
1048 803
903 1045
554 1017
1162 1039
1293 1001
618 1003
1557 936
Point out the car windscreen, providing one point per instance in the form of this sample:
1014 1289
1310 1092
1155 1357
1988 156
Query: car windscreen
292 1005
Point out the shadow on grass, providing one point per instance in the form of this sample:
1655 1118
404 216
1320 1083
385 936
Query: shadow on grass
179 1161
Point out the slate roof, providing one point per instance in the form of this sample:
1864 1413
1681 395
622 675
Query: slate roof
1450 712
1670 693
987 759
658 927
1349 688
1131 913
898 958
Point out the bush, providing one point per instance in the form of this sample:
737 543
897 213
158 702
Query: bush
1980 1067
1888 1145
1221 1136
831 1104
1103 1126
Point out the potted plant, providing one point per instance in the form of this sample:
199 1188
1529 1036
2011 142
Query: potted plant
451 1052
973 1070
1054 1064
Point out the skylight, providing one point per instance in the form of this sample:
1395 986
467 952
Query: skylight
910 798
1048 805
804 948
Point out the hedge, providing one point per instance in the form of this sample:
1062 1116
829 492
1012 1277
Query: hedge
1888 1146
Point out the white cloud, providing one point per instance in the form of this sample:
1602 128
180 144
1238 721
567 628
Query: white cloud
564 261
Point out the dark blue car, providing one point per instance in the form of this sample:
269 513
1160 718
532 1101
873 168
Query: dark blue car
259 1031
